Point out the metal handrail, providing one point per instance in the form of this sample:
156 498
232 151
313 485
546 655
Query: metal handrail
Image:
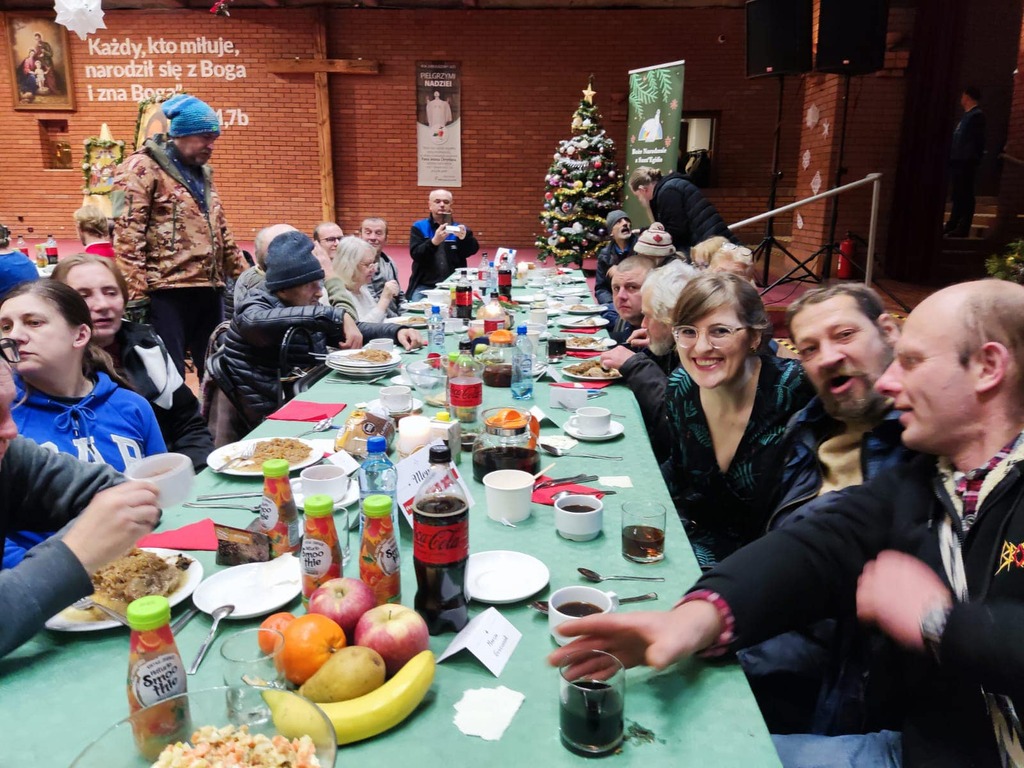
872 178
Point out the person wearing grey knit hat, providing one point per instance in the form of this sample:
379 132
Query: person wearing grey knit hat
291 265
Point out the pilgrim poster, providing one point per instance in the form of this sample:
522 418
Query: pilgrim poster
41 63
438 124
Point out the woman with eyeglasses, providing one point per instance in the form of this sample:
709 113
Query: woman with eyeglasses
348 287
727 408
69 399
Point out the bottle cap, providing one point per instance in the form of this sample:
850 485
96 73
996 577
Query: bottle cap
148 613
377 444
435 310
521 330
440 454
443 416
453 356
377 505
466 345
276 468
319 505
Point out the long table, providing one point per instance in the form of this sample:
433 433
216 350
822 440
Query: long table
60 690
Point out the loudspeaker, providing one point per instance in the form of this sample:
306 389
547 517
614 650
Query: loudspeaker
778 37
851 36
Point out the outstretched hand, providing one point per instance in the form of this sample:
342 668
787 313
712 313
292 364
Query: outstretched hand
410 338
614 358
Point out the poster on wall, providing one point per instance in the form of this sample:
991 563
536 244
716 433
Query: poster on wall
655 109
41 64
438 124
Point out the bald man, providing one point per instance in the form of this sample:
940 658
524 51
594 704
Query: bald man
438 245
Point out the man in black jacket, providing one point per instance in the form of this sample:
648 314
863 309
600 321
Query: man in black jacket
932 554
438 245
619 246
964 158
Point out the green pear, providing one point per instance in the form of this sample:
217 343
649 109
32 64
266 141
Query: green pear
349 673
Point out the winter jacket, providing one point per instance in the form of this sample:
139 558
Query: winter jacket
812 567
149 369
162 236
646 375
608 257
252 345
42 491
431 263
686 214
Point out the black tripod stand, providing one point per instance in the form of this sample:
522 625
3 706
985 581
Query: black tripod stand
769 243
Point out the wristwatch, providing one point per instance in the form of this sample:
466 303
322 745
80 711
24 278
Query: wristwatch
933 625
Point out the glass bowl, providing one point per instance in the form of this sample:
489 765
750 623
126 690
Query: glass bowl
429 378
293 716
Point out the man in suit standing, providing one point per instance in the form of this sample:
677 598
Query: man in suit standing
964 158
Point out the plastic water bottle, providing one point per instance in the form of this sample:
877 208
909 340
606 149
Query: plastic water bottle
435 333
492 278
377 475
483 274
522 366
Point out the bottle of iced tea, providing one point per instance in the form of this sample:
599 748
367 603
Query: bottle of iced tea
379 559
155 674
321 548
279 518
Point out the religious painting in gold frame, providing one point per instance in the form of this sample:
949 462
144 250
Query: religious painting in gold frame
40 64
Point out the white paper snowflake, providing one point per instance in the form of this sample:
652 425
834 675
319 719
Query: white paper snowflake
799 221
825 126
805 160
812 116
83 17
816 182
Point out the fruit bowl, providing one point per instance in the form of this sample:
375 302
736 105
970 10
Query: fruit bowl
294 716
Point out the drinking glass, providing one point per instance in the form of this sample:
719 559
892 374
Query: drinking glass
643 531
251 658
592 694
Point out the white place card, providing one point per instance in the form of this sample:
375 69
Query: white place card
412 471
539 415
490 637
568 398
344 460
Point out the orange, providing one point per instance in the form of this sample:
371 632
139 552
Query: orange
276 621
309 642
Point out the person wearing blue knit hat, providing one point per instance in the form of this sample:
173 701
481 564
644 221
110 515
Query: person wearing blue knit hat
15 267
171 236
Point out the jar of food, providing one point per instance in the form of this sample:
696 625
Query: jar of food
497 359
508 441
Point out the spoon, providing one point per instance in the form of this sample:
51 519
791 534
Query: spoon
562 494
590 575
554 450
218 614
542 605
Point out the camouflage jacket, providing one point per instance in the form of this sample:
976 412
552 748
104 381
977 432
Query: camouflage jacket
161 236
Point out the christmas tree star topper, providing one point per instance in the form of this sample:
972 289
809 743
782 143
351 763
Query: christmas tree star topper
588 93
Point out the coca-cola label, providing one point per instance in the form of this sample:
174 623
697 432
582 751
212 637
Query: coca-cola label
493 325
466 395
464 298
156 679
316 557
441 544
505 277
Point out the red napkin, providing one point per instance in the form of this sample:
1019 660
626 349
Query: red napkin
195 536
582 329
543 495
581 385
584 353
303 410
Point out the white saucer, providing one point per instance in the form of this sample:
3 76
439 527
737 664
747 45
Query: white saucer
402 380
351 495
617 429
502 576
417 404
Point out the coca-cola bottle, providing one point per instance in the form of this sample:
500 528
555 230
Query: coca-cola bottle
441 546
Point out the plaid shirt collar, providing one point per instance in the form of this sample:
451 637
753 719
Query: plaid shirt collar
968 484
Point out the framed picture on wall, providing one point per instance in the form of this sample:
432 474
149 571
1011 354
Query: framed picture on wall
41 64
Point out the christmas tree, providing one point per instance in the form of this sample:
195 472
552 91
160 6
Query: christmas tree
583 187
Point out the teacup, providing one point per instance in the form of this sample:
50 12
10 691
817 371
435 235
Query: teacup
171 473
579 517
396 399
454 325
570 603
591 421
538 317
385 345
326 479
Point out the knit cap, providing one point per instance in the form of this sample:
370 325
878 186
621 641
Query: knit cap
190 116
290 262
614 218
15 269
654 242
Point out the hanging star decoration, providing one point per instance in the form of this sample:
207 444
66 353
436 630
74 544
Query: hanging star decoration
83 17
825 127
220 8
588 93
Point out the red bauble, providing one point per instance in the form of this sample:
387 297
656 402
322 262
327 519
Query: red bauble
598 164
548 196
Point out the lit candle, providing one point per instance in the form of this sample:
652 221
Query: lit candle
413 433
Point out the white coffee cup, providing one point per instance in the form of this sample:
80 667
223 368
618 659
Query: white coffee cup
508 495
579 525
172 474
326 479
386 345
605 602
591 421
396 399
538 317
454 325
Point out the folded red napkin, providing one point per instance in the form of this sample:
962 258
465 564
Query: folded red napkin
543 495
582 329
584 353
303 410
581 385
196 536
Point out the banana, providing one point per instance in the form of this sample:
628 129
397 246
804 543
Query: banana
365 716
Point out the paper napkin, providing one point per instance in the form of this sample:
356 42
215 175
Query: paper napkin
583 353
303 410
487 712
544 495
581 385
195 536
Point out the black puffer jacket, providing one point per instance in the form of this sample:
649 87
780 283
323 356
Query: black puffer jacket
686 214
252 345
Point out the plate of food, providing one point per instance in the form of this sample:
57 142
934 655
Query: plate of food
297 452
140 573
363 358
590 370
589 343
583 322
409 321
416 306
586 309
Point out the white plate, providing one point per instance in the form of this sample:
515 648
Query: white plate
588 309
227 452
416 306
501 576
255 589
590 379
349 497
528 298
417 405
409 321
345 358
583 322
193 575
402 380
603 344
617 429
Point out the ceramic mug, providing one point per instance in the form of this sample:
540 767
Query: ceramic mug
385 345
396 399
591 421
171 473
327 479
579 517
570 603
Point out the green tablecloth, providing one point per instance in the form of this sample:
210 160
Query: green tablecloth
60 690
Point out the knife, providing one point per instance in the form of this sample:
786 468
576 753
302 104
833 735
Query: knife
565 481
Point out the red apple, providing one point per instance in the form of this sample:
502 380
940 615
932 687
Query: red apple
344 601
396 632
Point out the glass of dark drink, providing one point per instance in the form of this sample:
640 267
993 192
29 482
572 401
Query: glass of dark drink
643 531
592 693
556 349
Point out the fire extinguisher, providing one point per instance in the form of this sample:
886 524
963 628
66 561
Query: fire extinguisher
844 265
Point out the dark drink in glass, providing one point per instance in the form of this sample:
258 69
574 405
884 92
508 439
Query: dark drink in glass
643 543
556 349
591 705
488 460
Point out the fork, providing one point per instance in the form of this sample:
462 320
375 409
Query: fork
87 602
245 454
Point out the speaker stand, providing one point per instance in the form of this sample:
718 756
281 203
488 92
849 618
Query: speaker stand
769 242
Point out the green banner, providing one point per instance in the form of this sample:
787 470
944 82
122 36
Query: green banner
655 109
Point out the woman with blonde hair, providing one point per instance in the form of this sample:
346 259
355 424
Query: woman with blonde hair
93 228
348 287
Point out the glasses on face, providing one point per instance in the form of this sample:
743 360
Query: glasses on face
718 336
332 239
9 351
